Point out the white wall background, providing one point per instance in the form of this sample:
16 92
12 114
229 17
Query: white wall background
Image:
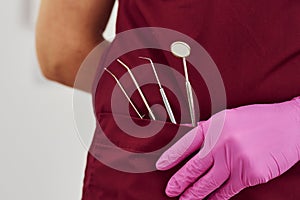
41 156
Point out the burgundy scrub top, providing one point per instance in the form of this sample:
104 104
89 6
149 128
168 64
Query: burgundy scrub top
256 47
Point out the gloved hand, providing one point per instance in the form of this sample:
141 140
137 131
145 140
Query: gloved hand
255 144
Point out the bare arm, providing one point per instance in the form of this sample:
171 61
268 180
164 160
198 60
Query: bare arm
66 32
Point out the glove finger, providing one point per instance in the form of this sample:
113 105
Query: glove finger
188 144
188 174
210 182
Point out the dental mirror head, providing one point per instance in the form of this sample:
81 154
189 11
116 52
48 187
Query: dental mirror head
180 49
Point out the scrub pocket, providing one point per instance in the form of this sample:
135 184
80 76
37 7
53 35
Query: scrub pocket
121 166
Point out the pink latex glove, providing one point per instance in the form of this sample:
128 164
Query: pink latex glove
255 144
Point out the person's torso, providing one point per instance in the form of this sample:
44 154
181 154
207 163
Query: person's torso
256 47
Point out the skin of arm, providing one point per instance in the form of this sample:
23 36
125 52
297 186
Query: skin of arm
66 32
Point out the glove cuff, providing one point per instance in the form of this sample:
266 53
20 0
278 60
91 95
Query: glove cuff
297 99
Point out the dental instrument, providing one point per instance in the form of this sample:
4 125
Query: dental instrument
138 88
124 92
183 50
162 92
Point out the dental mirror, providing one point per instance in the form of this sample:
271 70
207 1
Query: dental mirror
183 50
180 49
